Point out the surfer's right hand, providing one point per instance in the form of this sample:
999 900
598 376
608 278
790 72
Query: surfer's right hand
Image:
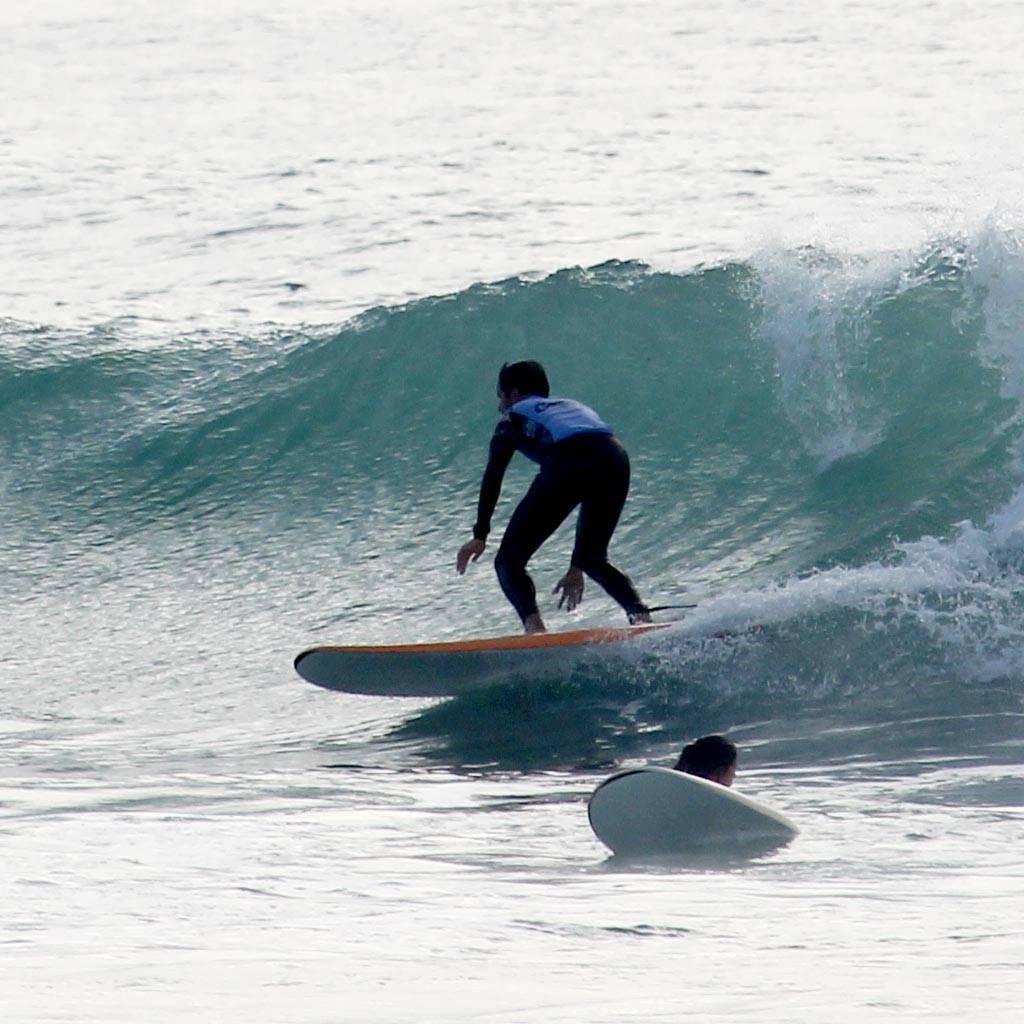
470 551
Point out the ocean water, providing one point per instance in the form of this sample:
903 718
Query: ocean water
259 265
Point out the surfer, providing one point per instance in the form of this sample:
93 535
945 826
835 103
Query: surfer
711 757
582 464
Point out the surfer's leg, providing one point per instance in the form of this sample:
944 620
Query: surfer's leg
545 506
600 509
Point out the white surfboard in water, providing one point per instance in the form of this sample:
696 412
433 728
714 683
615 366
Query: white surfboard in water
659 812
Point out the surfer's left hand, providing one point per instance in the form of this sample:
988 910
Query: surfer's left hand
571 586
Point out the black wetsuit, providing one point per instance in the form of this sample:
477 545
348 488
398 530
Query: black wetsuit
581 463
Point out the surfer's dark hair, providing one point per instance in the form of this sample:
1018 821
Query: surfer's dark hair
708 755
526 377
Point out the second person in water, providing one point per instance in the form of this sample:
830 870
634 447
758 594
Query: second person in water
582 464
711 757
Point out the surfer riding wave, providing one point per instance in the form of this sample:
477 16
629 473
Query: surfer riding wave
582 464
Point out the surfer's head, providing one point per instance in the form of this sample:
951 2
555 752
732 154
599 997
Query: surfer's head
521 380
710 757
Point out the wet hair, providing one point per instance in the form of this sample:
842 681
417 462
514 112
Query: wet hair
526 377
707 756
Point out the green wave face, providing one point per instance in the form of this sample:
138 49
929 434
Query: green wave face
779 417
829 449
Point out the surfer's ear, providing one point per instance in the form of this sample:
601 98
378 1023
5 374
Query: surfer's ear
508 398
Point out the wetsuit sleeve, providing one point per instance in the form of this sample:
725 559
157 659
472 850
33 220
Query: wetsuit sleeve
501 451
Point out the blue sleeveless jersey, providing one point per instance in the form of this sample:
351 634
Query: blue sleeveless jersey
546 421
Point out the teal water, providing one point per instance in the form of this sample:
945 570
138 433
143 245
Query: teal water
827 449
814 427
259 266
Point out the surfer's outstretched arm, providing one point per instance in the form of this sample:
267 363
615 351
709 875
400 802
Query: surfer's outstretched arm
500 455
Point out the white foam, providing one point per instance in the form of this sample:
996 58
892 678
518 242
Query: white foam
814 315
996 274
962 591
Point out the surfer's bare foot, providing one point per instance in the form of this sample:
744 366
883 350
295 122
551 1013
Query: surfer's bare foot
636 618
534 624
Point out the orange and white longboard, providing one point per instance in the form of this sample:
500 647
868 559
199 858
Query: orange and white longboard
448 669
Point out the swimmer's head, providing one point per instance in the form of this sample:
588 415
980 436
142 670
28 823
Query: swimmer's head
710 757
